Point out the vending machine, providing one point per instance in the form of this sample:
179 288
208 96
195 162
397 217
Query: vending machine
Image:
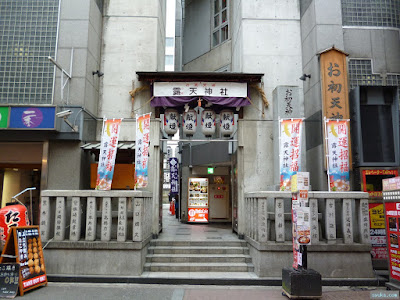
198 200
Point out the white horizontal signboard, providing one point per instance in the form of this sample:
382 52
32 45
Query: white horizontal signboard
193 89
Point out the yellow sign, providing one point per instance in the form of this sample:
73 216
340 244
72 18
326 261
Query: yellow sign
377 217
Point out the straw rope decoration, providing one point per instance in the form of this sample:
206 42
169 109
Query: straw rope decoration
263 96
133 94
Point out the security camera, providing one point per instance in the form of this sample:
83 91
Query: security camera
64 113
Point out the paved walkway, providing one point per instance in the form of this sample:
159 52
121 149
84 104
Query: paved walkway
173 230
69 291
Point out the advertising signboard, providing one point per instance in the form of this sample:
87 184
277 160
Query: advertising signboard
198 200
392 224
32 117
377 231
4 116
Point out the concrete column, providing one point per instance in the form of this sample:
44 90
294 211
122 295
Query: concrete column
279 220
330 220
121 229
59 226
91 219
76 219
106 219
45 218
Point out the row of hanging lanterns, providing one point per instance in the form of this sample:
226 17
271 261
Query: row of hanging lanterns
208 119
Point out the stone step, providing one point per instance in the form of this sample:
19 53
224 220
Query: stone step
197 250
237 243
186 258
198 267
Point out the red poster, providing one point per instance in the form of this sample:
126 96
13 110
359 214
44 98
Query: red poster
392 225
198 214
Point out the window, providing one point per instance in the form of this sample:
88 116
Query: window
374 126
220 23
169 42
169 59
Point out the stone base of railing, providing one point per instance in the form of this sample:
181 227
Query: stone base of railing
330 260
96 258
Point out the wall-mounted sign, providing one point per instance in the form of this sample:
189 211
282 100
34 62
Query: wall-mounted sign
335 93
192 89
4 116
173 166
372 180
32 117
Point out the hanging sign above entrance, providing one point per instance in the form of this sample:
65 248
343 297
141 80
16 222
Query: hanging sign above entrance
210 89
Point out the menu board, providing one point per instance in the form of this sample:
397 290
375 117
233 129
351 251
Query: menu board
24 246
9 280
393 224
30 250
198 200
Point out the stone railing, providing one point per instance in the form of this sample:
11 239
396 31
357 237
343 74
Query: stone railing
336 217
90 215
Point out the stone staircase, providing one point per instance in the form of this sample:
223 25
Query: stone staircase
198 256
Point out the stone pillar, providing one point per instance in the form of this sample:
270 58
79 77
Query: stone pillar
330 220
106 219
279 220
45 218
314 221
137 219
59 226
363 221
347 217
76 219
91 219
121 229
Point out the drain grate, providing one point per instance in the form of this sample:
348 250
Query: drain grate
214 238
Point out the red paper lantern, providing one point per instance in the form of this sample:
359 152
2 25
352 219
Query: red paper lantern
12 216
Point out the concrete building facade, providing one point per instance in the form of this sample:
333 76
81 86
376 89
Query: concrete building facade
108 55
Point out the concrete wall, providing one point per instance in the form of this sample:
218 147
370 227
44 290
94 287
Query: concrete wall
64 166
80 29
321 28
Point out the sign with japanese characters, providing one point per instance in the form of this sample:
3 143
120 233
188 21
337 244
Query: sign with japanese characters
171 121
12 216
289 150
392 210
227 122
24 246
208 122
142 150
335 92
32 117
173 166
190 122
9 280
377 231
192 89
108 152
338 155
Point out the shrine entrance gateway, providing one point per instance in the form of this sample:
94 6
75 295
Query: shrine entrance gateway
200 113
